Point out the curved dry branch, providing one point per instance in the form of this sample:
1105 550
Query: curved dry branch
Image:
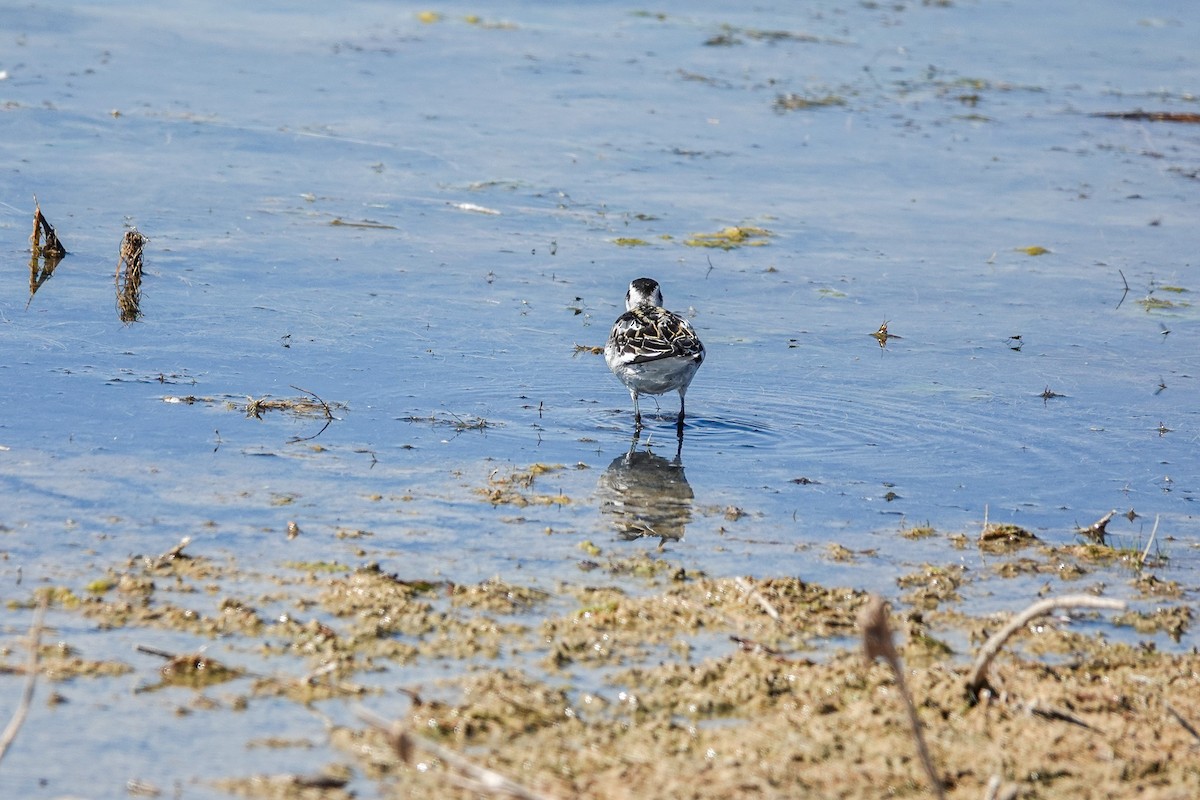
977 678
324 407
31 673
464 772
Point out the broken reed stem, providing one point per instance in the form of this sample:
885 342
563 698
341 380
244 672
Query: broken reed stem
31 672
129 276
877 643
1098 530
1187 726
995 790
977 678
756 596
42 229
1149 544
175 552
474 778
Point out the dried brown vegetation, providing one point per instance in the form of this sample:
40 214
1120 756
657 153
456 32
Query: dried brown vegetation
128 277
692 686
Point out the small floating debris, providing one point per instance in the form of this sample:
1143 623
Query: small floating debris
309 406
193 670
1098 530
1048 394
731 36
188 400
798 102
1032 250
882 335
1152 116
464 423
515 489
475 208
1152 303
487 24
1005 536
46 251
595 350
731 237
312 405
366 223
44 241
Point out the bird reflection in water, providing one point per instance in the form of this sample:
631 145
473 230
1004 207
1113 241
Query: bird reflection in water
645 495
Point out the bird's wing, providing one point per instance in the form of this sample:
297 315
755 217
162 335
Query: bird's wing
650 333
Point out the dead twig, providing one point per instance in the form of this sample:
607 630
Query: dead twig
756 596
199 670
174 553
45 256
1098 530
1149 544
41 269
44 241
1186 117
877 643
751 646
1187 726
1056 715
31 673
977 679
995 790
154 651
324 408
470 775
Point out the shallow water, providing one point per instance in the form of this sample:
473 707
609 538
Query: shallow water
479 176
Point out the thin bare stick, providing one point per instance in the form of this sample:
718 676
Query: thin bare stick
977 678
993 791
324 407
154 651
31 672
1149 544
1187 726
1036 709
478 779
877 643
757 597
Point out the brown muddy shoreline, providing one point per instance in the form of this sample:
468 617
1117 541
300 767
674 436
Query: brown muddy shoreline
644 680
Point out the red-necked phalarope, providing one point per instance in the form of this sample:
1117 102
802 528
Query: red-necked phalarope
652 350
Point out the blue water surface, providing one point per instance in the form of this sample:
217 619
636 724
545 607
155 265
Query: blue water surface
416 218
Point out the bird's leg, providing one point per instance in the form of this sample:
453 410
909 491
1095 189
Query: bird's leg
679 423
637 412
